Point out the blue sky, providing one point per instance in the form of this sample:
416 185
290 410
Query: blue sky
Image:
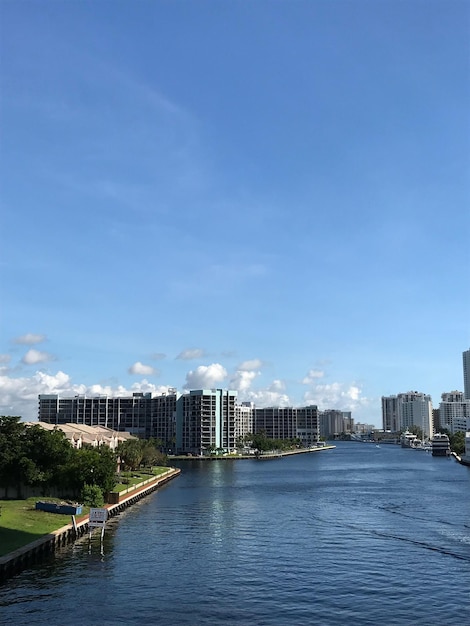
271 196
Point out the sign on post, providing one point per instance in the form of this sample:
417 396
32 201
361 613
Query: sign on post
97 519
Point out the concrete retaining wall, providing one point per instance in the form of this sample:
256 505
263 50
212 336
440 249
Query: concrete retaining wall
34 552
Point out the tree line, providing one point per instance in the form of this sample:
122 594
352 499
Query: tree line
45 461
262 443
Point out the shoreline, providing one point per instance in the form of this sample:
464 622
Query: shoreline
20 559
252 457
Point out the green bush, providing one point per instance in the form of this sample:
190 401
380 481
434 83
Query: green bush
92 495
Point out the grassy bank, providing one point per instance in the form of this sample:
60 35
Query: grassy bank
128 479
21 523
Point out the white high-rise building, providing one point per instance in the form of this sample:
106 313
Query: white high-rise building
466 374
454 412
415 409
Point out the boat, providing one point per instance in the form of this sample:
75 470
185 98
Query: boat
440 445
423 446
407 439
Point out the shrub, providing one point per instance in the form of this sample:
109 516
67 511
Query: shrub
92 495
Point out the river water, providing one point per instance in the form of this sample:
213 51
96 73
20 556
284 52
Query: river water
358 535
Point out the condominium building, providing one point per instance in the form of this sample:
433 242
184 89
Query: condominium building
334 422
288 423
194 422
454 412
415 409
390 419
140 414
206 421
244 420
466 374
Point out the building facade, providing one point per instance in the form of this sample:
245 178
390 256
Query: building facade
196 422
334 423
140 414
415 409
466 374
390 419
288 423
206 421
454 412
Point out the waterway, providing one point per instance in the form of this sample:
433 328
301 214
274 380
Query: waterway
354 536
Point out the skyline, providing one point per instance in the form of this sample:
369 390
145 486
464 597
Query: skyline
268 197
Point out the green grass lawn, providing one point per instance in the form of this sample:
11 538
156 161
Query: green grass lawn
21 524
129 479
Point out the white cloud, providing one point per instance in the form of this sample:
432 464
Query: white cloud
157 356
35 356
271 396
5 358
206 376
336 396
30 339
253 364
312 376
277 386
191 353
241 381
140 369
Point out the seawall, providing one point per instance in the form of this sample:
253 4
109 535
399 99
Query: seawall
251 457
34 552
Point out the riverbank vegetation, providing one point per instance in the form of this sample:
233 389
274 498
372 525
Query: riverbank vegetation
262 443
34 461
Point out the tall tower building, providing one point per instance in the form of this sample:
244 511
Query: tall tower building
390 421
466 374
415 409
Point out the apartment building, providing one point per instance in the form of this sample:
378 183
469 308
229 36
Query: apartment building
131 414
193 422
206 421
390 418
334 422
454 412
415 409
288 423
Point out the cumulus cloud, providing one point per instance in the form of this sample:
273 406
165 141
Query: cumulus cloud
5 358
344 397
277 386
241 381
312 376
35 356
30 339
206 376
190 354
140 369
253 364
273 395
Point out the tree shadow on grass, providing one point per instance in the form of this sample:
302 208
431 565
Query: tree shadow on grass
11 540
